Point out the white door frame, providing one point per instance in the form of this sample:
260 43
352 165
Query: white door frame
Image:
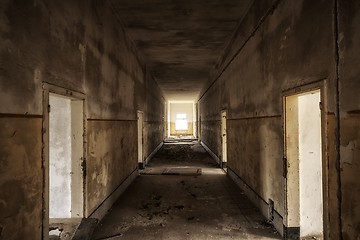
140 127
292 226
47 90
223 138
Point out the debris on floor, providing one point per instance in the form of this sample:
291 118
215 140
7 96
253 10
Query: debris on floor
55 233
186 171
181 206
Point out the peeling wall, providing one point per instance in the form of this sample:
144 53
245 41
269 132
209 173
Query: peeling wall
20 178
79 46
210 118
112 156
282 45
154 116
349 103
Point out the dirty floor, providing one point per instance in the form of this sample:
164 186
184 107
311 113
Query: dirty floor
182 194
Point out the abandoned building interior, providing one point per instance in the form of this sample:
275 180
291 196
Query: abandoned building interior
91 89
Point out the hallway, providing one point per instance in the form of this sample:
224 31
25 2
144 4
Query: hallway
172 199
94 92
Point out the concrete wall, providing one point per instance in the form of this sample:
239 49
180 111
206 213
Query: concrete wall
349 124
154 122
20 177
283 45
81 46
210 118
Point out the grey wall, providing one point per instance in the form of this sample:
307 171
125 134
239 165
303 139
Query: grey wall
282 45
81 46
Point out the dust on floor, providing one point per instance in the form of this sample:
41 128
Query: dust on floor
204 206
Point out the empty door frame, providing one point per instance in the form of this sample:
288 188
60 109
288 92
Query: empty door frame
292 226
140 125
223 138
171 118
198 114
47 90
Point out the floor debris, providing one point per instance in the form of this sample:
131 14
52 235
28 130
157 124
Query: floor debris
174 207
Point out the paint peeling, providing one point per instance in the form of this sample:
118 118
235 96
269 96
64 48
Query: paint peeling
349 152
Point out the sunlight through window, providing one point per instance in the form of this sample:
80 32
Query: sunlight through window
181 122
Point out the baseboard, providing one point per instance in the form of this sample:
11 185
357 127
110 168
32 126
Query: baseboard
102 210
212 154
147 160
260 203
292 233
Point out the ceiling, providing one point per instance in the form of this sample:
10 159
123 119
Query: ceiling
180 41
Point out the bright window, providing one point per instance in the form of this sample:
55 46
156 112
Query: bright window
181 122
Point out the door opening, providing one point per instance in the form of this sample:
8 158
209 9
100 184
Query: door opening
140 122
181 119
223 139
304 164
63 160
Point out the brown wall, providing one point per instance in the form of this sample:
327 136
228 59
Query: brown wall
20 177
80 46
154 121
282 45
349 124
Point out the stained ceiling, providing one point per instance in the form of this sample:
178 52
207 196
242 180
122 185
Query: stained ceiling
180 41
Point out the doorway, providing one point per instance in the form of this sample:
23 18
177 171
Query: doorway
140 123
223 138
304 164
64 153
181 119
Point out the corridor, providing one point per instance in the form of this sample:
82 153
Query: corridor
95 96
182 194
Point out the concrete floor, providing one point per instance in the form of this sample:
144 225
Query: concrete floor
63 229
172 199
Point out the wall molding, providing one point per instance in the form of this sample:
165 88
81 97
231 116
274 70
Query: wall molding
212 154
147 160
260 203
15 115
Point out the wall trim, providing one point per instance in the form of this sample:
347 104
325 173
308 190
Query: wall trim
147 160
223 68
110 120
260 203
212 154
253 117
104 207
15 115
292 233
